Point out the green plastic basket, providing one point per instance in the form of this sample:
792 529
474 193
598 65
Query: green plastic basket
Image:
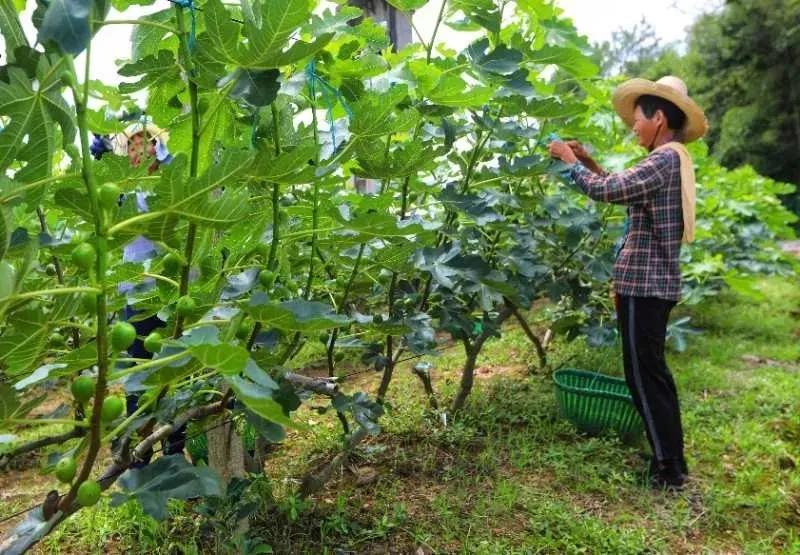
595 402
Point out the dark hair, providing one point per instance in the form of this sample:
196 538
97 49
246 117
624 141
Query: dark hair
651 104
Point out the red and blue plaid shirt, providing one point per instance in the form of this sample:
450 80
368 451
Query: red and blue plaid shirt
648 263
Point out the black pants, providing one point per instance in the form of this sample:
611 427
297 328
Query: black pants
643 328
177 439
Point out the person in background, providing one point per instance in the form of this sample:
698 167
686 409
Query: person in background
659 193
141 142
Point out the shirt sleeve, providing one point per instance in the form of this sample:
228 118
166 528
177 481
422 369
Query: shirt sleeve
630 186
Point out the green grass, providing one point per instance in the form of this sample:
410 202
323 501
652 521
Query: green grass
510 476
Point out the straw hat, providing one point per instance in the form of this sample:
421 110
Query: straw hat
150 130
669 88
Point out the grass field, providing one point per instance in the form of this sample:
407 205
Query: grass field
509 476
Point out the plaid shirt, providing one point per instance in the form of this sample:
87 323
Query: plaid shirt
647 264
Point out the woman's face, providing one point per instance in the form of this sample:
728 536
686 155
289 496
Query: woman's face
138 148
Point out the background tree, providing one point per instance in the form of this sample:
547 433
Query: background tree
741 63
635 51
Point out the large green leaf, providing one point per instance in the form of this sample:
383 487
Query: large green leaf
374 223
34 110
116 169
64 307
148 39
369 64
11 28
295 315
5 231
426 76
260 399
165 104
228 208
289 167
166 229
570 59
376 115
484 206
21 346
66 23
107 93
75 200
279 20
553 108
8 278
268 37
395 257
452 91
168 477
745 285
333 22
198 200
479 13
406 159
363 409
155 69
501 60
218 124
407 5
98 122
12 192
226 359
270 431
9 403
255 87
171 373
77 360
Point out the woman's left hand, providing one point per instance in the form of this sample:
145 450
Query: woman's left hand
563 152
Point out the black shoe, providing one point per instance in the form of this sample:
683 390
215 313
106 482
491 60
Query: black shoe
668 475
668 483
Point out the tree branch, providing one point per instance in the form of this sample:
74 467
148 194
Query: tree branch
425 377
313 482
39 443
472 351
540 352
321 386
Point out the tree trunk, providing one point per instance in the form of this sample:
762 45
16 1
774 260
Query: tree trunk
399 28
539 345
314 481
397 23
425 377
386 379
472 352
226 455
467 378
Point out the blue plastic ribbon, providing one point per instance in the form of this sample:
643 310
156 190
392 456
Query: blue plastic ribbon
193 34
330 95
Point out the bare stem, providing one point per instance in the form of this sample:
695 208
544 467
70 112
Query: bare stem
188 64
